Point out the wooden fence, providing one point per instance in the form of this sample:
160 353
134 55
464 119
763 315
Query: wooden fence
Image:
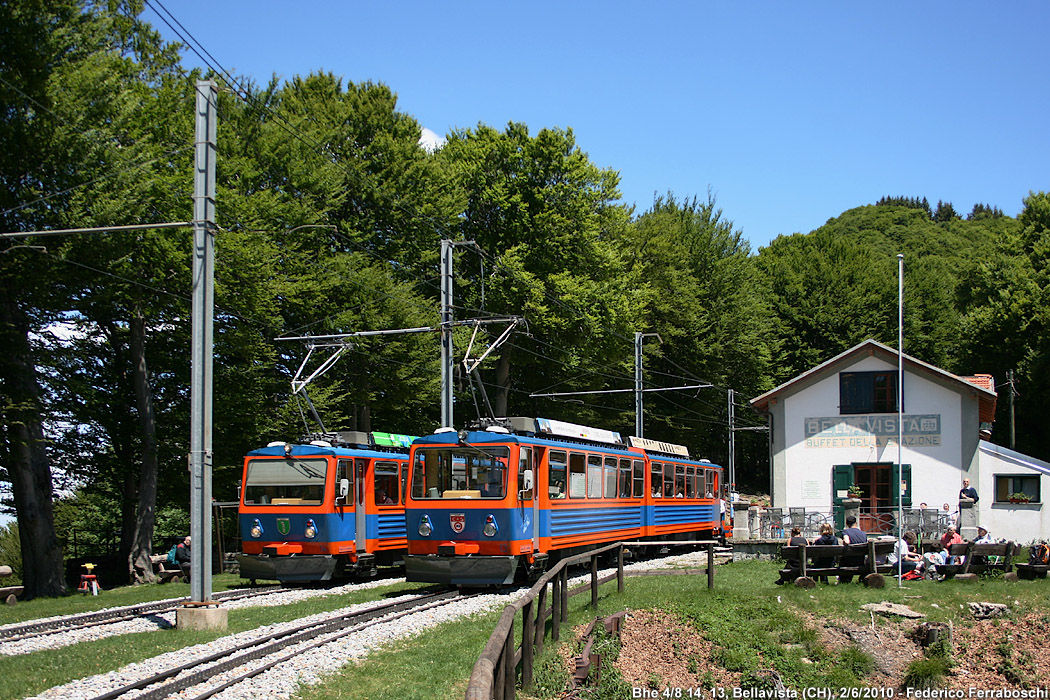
495 674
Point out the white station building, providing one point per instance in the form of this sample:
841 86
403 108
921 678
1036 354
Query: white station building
834 429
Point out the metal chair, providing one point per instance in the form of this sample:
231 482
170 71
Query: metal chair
797 518
775 520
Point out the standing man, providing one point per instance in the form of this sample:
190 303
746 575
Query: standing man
968 491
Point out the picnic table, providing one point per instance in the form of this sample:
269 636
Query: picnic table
861 560
978 558
165 570
9 594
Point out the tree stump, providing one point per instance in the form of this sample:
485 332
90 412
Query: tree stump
966 578
875 580
929 633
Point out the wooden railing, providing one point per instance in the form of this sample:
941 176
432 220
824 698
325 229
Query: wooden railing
495 674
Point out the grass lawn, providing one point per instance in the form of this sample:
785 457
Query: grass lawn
752 622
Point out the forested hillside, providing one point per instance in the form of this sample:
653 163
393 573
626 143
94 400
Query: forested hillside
331 214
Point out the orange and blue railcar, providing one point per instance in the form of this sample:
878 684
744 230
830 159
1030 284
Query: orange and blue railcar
331 508
506 500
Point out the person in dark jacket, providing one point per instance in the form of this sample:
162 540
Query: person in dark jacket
852 535
827 536
968 491
182 557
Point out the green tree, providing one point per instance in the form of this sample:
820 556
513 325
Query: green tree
1007 321
545 220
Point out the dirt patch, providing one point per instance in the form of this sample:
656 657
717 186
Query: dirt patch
890 645
657 650
1010 653
1013 652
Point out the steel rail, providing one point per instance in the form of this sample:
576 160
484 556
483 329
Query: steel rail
108 617
268 645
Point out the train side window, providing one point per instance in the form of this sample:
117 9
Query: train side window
690 482
387 484
679 480
657 479
712 483
594 476
625 478
701 483
668 480
556 465
639 478
577 475
610 477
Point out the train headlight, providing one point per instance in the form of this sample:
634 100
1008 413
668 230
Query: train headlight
311 529
490 528
425 528
257 529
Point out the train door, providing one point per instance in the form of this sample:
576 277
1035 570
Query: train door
360 484
530 505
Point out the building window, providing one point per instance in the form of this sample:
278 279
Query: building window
868 392
1016 488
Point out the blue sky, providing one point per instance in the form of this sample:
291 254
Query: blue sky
789 112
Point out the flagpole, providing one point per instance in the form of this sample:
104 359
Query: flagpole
900 411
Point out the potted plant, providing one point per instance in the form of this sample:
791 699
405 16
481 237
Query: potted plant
1019 497
854 491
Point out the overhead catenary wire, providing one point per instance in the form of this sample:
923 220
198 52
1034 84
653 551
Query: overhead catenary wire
245 94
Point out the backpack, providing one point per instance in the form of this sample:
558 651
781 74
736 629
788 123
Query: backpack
171 554
1039 554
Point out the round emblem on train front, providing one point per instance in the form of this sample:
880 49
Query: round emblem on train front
458 521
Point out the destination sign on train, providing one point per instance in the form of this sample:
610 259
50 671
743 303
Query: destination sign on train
659 446
557 427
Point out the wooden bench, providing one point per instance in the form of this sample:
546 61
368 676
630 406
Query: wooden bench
978 559
164 570
9 594
867 569
1030 572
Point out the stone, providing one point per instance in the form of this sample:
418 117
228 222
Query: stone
891 609
200 617
986 611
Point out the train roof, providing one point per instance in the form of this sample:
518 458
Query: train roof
545 431
350 443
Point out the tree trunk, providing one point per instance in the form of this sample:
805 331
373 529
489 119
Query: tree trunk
29 467
140 567
499 406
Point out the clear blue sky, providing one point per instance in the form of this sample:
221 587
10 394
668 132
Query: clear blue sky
790 112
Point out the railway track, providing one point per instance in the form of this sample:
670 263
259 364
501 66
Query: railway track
107 617
224 669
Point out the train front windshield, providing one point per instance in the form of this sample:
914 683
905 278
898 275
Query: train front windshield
460 472
295 482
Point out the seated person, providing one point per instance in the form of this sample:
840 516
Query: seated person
793 566
827 537
382 499
904 557
852 535
949 538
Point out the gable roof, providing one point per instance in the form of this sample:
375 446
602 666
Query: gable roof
981 385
